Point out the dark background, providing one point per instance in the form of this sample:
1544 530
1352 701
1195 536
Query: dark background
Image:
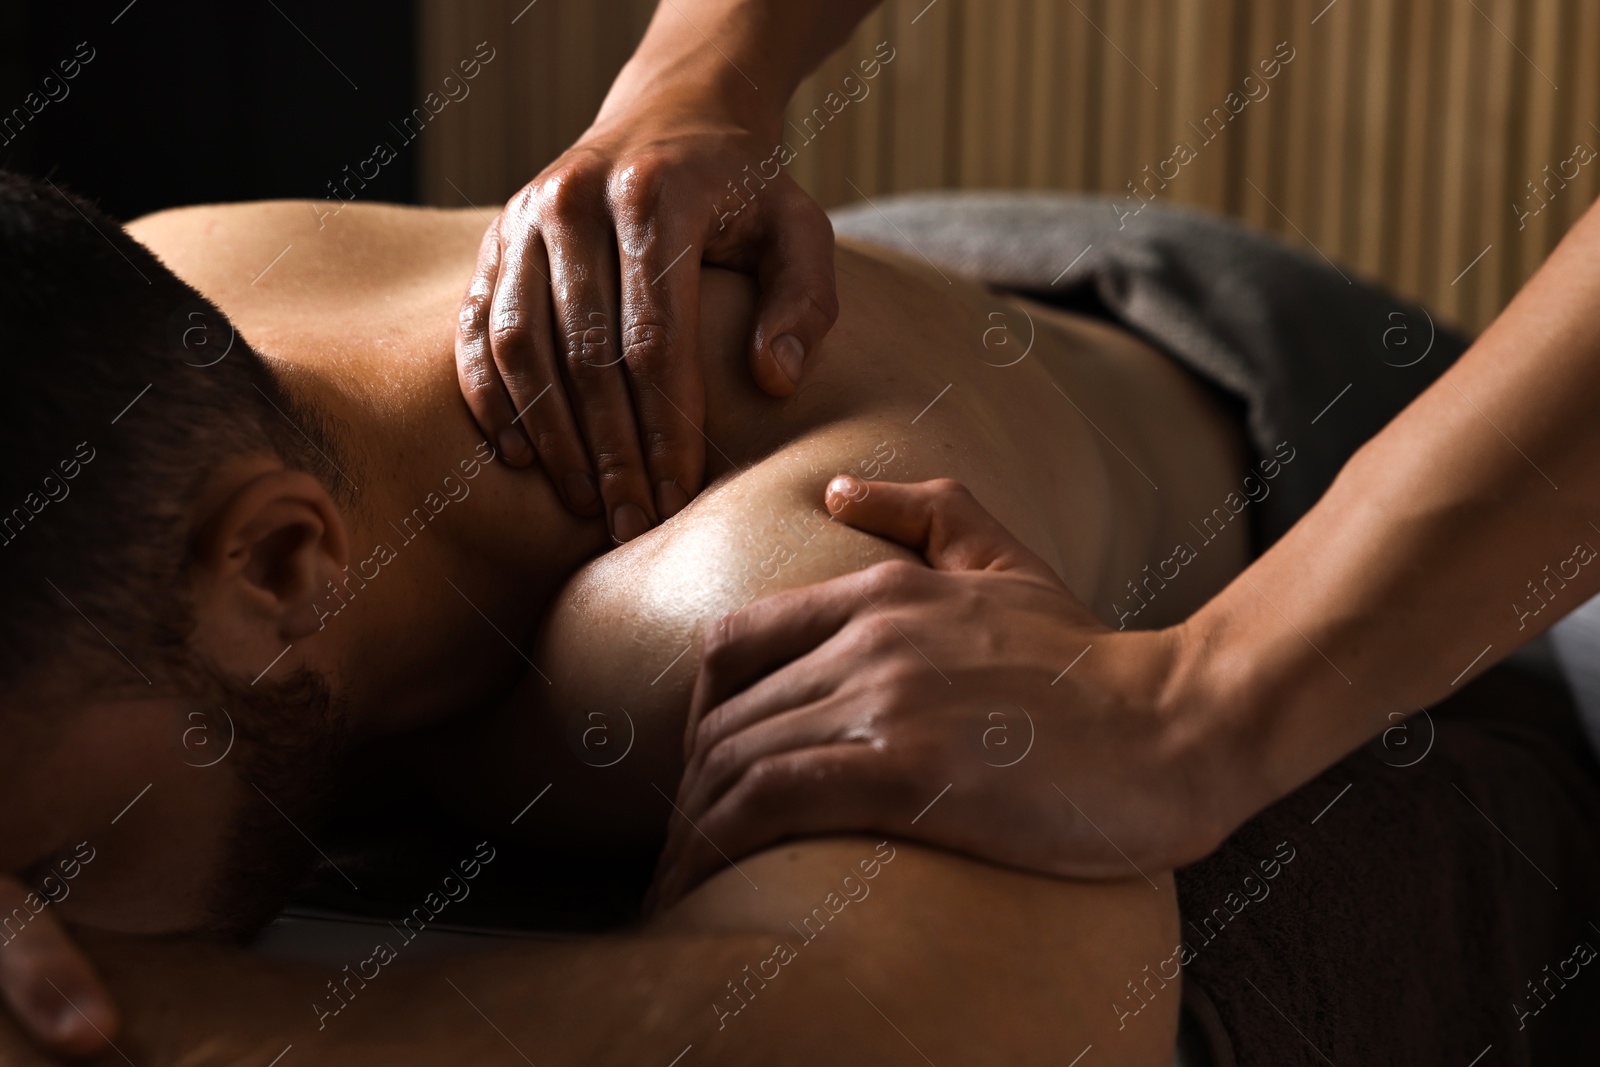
188 102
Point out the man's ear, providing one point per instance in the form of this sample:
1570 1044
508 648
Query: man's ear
263 555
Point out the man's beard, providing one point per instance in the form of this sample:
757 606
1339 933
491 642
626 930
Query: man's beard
291 737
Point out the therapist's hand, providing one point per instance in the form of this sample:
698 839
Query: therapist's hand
582 315
932 704
51 989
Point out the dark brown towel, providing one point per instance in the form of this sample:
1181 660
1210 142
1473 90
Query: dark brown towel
1432 913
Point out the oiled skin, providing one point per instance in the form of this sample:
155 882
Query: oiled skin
616 657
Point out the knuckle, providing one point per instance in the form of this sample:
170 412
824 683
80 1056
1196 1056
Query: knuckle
565 191
508 329
876 581
637 188
870 723
646 345
707 730
890 576
479 384
473 312
588 350
950 498
902 571
548 442
822 301
764 778
899 676
519 382
524 202
514 345
660 444
612 465
876 633
721 761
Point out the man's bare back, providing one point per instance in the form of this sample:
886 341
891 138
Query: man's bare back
1061 444
1093 448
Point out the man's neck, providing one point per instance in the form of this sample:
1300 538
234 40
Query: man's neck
453 555
359 319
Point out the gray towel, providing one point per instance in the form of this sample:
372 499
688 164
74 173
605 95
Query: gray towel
1316 358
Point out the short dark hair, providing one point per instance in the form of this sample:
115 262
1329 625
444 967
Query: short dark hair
121 390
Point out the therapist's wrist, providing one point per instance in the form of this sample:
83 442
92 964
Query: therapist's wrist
1218 700
1260 708
1176 745
702 83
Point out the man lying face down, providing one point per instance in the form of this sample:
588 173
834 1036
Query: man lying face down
265 514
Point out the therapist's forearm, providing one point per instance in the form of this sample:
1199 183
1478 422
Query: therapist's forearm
1413 573
747 55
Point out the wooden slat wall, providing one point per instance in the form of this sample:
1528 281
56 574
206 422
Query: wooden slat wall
1397 141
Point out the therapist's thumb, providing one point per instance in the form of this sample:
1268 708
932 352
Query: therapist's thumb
49 984
940 519
799 301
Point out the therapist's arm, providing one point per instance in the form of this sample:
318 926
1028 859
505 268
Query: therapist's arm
1453 537
1456 535
587 283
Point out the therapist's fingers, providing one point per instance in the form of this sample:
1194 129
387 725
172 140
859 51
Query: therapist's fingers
584 273
794 682
798 304
831 790
660 340
745 646
938 518
715 768
480 380
525 356
49 984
